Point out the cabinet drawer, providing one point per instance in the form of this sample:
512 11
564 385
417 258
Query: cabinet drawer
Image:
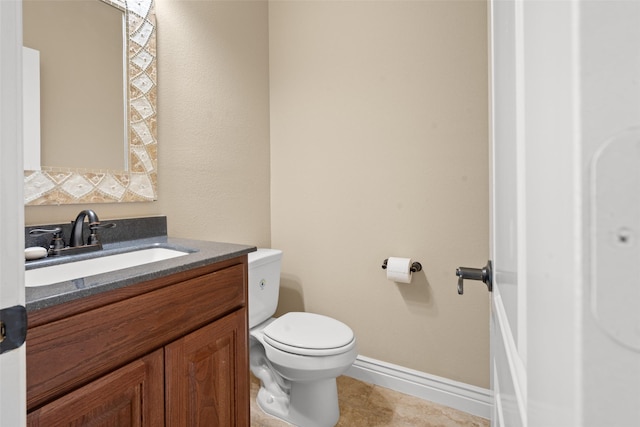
70 352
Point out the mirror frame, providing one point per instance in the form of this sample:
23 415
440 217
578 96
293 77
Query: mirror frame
59 185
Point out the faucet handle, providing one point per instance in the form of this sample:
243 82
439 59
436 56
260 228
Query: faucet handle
40 231
93 237
57 243
97 225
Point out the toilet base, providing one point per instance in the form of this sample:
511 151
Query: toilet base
311 404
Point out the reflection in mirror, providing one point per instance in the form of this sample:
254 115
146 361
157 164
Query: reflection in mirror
82 97
117 102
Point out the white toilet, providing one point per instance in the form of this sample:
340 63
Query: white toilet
297 356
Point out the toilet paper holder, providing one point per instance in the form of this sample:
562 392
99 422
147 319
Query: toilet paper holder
415 266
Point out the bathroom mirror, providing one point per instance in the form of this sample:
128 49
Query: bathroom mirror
124 115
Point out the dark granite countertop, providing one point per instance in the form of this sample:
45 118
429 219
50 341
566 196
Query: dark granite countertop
201 253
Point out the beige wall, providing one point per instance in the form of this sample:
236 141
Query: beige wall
379 148
213 125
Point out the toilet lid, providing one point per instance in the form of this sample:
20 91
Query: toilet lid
309 334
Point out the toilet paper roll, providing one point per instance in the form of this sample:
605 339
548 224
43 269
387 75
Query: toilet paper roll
399 269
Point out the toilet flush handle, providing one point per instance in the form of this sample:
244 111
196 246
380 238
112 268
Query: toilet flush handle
484 274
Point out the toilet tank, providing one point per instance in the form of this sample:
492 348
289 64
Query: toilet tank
264 284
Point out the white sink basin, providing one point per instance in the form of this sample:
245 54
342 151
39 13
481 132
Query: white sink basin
90 267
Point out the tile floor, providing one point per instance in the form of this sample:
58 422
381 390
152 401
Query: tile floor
366 405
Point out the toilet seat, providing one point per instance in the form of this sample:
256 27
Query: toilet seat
309 334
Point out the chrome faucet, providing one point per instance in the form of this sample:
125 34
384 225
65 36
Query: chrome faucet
77 233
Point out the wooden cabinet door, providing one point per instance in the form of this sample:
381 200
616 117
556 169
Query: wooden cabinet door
130 396
207 376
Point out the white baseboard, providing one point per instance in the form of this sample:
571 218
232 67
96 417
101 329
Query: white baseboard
463 397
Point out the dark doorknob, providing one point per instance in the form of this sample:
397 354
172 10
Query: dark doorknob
484 274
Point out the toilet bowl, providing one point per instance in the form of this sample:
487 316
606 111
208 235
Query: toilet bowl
297 356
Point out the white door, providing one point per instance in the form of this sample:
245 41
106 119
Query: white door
537 213
508 374
609 36
565 323
12 362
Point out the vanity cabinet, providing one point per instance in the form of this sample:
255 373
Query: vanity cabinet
171 351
